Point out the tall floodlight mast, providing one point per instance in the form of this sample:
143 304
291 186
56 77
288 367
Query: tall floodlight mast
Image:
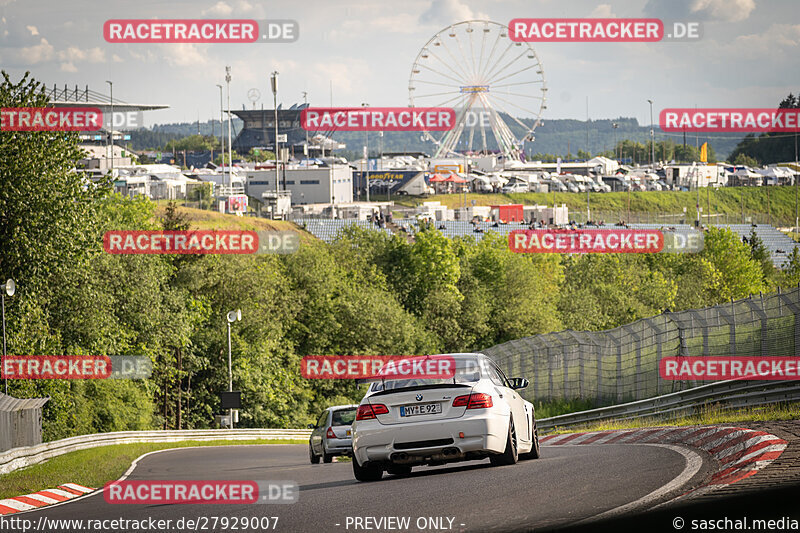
495 85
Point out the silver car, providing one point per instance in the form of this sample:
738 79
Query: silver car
331 435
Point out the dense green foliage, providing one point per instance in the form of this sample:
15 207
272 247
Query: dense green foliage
367 293
769 147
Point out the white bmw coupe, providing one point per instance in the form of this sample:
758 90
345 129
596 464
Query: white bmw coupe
477 413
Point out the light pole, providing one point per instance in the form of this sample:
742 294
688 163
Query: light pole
366 153
111 85
221 132
305 102
615 126
9 288
652 139
230 153
233 316
274 82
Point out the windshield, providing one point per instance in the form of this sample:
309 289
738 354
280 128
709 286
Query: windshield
343 417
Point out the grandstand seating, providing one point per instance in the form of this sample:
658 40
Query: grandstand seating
778 243
327 229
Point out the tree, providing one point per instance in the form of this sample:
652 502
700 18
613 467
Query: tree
746 160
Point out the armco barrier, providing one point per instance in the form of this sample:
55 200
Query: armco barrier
17 458
725 394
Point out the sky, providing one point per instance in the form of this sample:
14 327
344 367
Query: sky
355 51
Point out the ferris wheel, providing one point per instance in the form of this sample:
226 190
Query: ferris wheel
493 83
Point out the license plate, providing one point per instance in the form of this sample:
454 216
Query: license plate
420 409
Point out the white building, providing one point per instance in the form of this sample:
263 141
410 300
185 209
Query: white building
696 175
316 185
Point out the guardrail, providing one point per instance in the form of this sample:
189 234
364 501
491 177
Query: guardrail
728 394
17 458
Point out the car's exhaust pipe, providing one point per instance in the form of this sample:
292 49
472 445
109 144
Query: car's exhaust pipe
451 451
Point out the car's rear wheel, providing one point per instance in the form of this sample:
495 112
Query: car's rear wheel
366 473
326 457
534 453
399 470
511 455
314 458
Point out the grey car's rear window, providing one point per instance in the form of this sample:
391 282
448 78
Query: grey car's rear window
343 417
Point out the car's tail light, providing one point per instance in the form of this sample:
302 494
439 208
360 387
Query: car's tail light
367 411
330 434
476 400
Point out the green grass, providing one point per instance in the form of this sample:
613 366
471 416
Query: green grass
95 467
561 407
709 414
726 200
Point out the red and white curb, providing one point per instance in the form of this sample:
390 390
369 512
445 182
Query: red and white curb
740 452
64 492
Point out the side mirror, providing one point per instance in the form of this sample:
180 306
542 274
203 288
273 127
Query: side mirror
311 426
518 383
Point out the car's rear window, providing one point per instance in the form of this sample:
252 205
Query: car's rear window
468 370
343 417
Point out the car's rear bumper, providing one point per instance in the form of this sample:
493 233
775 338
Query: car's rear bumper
430 441
338 446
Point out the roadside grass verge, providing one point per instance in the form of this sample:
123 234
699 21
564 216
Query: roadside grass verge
95 467
708 414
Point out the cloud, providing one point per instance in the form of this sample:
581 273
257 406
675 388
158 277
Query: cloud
223 9
116 59
726 10
185 54
602 11
769 43
92 55
68 67
38 53
449 12
220 8
31 29
723 10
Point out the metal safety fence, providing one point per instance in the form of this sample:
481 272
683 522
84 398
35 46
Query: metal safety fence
621 364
